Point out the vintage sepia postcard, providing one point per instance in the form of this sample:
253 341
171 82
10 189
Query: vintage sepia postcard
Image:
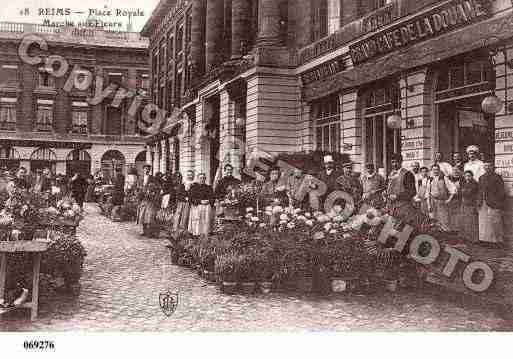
255 166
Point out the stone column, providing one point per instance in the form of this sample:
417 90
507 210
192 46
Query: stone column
351 131
269 18
241 10
199 8
214 33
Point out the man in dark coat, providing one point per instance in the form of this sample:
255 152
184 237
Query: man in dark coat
118 195
328 176
401 191
227 182
78 187
491 202
225 185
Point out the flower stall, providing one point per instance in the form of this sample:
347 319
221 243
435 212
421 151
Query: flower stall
285 248
37 240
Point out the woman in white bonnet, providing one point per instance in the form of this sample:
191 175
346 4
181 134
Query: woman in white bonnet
474 164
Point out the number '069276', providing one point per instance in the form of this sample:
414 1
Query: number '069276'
38 345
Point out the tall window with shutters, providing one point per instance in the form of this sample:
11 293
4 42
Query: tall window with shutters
79 117
44 116
8 113
326 123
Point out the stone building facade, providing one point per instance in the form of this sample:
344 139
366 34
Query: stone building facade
48 113
366 78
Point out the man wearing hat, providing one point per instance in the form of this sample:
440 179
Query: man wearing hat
349 183
118 194
400 191
474 164
329 177
445 167
373 184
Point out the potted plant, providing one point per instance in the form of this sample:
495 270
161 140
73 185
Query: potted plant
296 268
341 259
265 269
226 266
247 273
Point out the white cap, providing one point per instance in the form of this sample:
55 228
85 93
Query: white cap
328 159
472 148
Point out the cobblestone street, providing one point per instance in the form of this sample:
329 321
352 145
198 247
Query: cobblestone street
125 272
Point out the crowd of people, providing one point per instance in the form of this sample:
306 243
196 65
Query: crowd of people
464 197
190 200
78 187
467 197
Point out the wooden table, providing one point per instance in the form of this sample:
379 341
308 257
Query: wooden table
34 247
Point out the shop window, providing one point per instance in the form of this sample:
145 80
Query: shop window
44 116
459 93
464 71
380 141
8 113
326 117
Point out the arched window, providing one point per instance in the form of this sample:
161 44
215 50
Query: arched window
78 161
111 160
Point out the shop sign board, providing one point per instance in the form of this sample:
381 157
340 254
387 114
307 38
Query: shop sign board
505 161
442 19
411 155
504 134
323 71
412 144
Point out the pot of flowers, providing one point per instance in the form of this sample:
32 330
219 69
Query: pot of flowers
343 277
265 269
297 269
226 270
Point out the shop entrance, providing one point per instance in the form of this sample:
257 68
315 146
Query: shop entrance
462 84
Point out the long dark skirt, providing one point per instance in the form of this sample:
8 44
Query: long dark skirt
146 217
89 197
468 223
181 218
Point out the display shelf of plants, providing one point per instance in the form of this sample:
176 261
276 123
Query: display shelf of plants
284 248
28 217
